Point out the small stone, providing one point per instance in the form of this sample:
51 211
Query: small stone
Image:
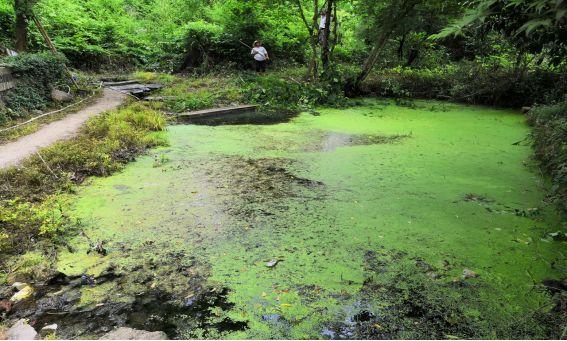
272 263
6 306
61 96
21 331
19 285
47 330
526 109
23 294
124 333
467 273
432 274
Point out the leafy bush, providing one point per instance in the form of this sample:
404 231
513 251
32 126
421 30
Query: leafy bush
201 93
276 93
471 82
203 40
36 75
550 144
22 222
6 23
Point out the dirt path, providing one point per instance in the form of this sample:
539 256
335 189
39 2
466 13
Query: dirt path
14 152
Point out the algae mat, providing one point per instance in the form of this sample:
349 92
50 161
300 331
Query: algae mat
374 221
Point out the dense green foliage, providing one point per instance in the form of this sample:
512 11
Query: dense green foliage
525 40
36 74
550 143
106 143
471 82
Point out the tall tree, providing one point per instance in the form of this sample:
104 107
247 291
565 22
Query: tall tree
312 28
386 18
326 50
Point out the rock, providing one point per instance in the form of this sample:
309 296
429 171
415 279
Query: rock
6 306
19 285
21 331
525 110
23 294
272 263
432 274
48 330
469 274
61 96
124 333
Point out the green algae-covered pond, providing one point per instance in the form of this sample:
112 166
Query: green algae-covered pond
374 221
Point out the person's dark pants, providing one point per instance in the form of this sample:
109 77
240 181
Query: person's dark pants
260 66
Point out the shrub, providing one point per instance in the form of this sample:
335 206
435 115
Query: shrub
550 145
201 93
36 75
276 93
202 44
6 23
21 223
471 82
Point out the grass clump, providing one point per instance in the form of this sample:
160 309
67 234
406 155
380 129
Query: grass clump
29 208
202 93
154 77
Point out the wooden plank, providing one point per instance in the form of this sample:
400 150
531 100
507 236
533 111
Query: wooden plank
217 111
134 81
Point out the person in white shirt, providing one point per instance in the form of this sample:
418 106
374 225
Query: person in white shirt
260 56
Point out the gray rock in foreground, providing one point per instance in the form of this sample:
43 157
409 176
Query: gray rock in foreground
21 331
124 333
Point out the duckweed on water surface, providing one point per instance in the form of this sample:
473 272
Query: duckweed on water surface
355 223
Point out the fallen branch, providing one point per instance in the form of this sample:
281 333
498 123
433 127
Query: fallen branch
46 165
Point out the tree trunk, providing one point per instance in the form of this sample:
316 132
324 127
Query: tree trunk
401 11
371 59
21 26
44 34
401 47
325 53
313 37
412 56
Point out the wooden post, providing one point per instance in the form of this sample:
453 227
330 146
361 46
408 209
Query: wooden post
44 34
50 45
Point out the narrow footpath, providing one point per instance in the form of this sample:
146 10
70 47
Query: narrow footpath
15 152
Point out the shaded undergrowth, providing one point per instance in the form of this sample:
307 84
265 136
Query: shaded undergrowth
549 141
